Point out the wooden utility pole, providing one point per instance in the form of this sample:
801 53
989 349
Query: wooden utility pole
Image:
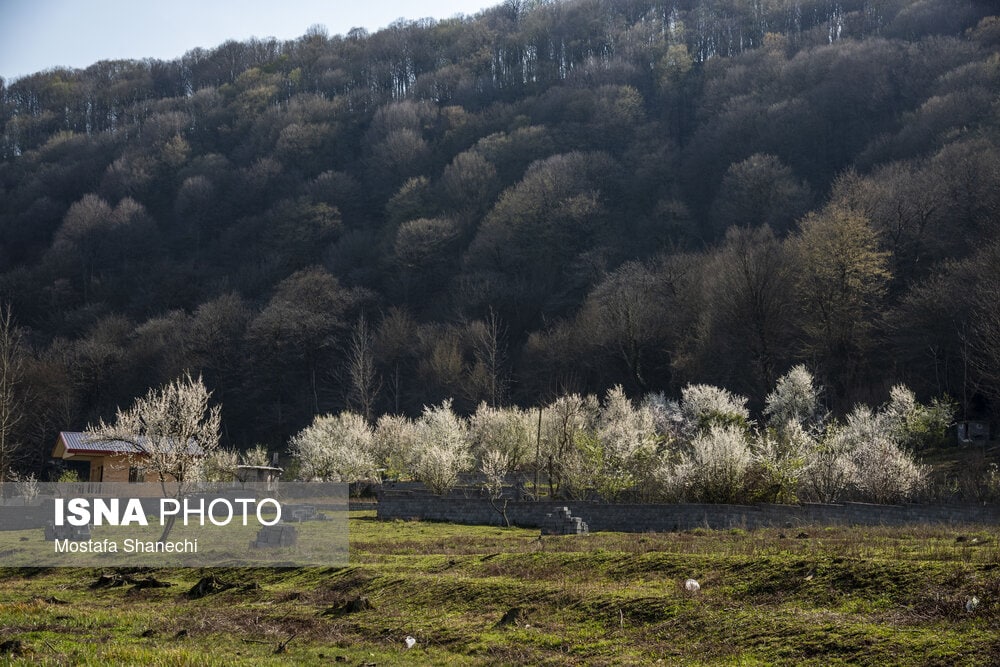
538 449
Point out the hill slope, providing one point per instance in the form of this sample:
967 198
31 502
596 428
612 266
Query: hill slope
547 197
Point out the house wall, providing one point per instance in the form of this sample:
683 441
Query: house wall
112 468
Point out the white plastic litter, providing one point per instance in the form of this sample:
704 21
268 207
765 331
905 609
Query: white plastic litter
971 604
692 586
410 642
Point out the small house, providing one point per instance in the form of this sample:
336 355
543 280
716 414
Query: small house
105 461
266 475
102 460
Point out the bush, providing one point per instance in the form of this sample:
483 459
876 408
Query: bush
779 460
862 455
442 450
715 467
795 398
394 443
507 430
828 470
703 406
928 426
335 448
627 445
69 477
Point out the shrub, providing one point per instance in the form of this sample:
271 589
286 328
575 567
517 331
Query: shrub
862 455
335 448
507 430
442 449
795 398
703 406
828 470
394 444
68 477
715 467
627 440
779 456
883 472
568 432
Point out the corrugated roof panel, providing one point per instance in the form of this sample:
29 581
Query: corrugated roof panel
81 442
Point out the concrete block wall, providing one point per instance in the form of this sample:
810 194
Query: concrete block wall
421 505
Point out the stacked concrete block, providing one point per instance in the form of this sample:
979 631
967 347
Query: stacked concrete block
74 533
302 513
561 523
278 535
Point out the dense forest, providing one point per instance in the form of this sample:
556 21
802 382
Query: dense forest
548 197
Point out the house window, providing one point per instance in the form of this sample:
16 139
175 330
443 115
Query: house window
135 475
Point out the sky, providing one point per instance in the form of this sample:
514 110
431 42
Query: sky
40 34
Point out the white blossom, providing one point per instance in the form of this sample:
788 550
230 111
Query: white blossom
171 430
494 467
883 471
394 443
626 439
702 405
508 430
714 467
335 448
442 451
795 398
568 430
829 468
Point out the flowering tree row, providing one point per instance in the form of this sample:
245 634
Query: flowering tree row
702 447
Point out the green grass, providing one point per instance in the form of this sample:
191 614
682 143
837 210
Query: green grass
877 596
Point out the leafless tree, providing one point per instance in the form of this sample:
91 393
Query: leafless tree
12 400
490 349
494 468
986 322
365 383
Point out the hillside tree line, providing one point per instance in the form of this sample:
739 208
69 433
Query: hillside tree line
546 200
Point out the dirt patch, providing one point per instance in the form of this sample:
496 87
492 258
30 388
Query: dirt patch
512 617
12 647
352 606
209 586
149 582
115 580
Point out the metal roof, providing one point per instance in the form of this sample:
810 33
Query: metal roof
76 442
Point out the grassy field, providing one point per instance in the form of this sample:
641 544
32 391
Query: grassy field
817 596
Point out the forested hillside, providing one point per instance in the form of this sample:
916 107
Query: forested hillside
547 197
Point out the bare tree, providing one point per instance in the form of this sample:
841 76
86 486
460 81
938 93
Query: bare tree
490 349
494 468
11 390
626 318
171 430
985 319
365 383
751 298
